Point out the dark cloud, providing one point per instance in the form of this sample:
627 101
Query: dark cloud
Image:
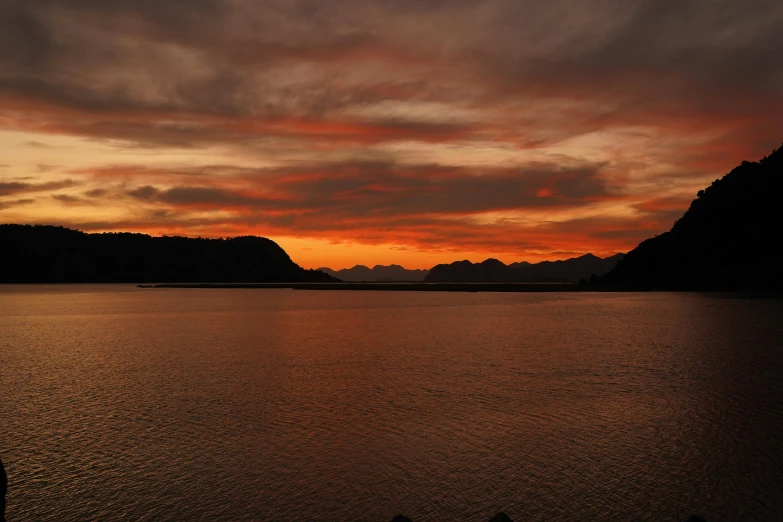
19 187
424 206
96 193
250 74
198 197
6 204
145 193
356 191
67 199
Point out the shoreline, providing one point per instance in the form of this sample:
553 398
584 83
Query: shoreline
464 287
402 287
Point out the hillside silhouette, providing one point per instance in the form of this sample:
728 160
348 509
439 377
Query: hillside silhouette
48 254
492 270
727 240
378 273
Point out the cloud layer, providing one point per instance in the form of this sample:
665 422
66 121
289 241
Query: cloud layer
514 128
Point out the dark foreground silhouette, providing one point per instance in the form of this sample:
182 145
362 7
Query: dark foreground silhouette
492 270
47 254
727 240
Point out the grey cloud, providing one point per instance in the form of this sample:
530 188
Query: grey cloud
96 193
382 190
687 57
145 193
186 195
361 190
18 187
4 205
67 199
201 196
622 60
200 132
13 187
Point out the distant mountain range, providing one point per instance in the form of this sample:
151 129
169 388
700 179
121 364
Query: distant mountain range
729 238
378 273
47 254
492 270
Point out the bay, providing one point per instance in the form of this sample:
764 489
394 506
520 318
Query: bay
233 404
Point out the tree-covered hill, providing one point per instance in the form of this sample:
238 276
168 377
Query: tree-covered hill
48 254
729 239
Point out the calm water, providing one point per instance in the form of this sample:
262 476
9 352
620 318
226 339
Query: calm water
281 405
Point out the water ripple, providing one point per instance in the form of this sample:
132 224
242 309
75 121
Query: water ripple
282 405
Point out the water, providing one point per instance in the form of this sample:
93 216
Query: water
122 403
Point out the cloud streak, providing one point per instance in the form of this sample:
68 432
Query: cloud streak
8 188
361 189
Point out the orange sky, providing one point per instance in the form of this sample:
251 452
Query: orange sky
383 132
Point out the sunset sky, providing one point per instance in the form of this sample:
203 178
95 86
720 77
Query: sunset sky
410 131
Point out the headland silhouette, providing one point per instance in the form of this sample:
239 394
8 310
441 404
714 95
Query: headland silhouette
727 240
49 254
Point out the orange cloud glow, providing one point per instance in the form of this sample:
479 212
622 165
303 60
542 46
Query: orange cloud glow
408 132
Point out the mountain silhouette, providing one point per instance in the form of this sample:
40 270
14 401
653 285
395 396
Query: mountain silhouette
378 273
727 240
492 270
48 254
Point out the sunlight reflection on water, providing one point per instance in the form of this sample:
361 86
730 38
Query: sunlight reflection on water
304 405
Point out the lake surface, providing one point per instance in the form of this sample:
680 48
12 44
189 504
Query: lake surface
283 405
